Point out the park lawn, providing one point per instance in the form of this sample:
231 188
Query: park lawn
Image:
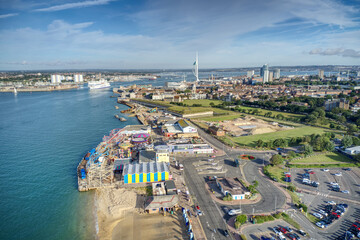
203 102
277 172
327 158
263 111
296 132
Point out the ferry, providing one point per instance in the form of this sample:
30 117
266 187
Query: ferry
99 84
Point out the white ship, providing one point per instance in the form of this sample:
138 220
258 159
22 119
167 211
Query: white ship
99 84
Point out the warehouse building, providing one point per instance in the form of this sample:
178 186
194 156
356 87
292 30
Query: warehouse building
145 172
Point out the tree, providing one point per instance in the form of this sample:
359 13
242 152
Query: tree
211 104
329 146
291 154
307 149
256 184
352 128
292 188
241 219
346 141
260 143
276 160
357 157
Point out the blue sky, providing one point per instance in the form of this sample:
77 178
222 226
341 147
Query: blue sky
123 34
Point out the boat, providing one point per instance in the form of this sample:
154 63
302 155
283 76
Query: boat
123 119
116 107
99 84
15 91
117 116
152 77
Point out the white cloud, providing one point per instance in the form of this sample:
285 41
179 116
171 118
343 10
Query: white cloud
73 5
8 15
336 52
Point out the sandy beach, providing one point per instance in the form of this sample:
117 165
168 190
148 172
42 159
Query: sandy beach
120 215
113 205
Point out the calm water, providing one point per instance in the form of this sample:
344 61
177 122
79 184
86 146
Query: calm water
43 136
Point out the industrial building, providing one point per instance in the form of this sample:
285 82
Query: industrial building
145 172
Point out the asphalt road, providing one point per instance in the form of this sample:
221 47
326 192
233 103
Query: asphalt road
212 216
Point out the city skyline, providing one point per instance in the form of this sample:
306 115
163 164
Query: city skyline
162 34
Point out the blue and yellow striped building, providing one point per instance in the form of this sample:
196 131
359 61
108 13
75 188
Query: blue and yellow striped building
146 172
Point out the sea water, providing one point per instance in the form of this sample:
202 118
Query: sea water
43 136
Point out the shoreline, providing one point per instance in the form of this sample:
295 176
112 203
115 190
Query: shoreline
44 89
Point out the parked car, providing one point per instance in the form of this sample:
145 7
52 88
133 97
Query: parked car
289 229
312 172
338 174
197 207
322 212
347 169
345 191
334 183
291 236
226 233
318 215
199 212
320 225
276 230
302 233
283 230
331 202
325 170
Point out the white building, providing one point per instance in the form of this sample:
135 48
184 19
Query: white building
185 126
277 73
78 78
55 78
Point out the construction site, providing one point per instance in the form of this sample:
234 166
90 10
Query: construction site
248 125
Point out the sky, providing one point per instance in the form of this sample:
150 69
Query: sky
166 34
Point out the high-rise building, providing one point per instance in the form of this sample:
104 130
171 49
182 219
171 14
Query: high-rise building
321 74
271 76
250 73
78 78
277 73
266 76
55 78
264 72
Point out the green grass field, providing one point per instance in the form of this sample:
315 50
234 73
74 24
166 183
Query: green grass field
263 111
327 158
296 132
203 102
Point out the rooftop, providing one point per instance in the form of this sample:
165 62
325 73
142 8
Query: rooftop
232 185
